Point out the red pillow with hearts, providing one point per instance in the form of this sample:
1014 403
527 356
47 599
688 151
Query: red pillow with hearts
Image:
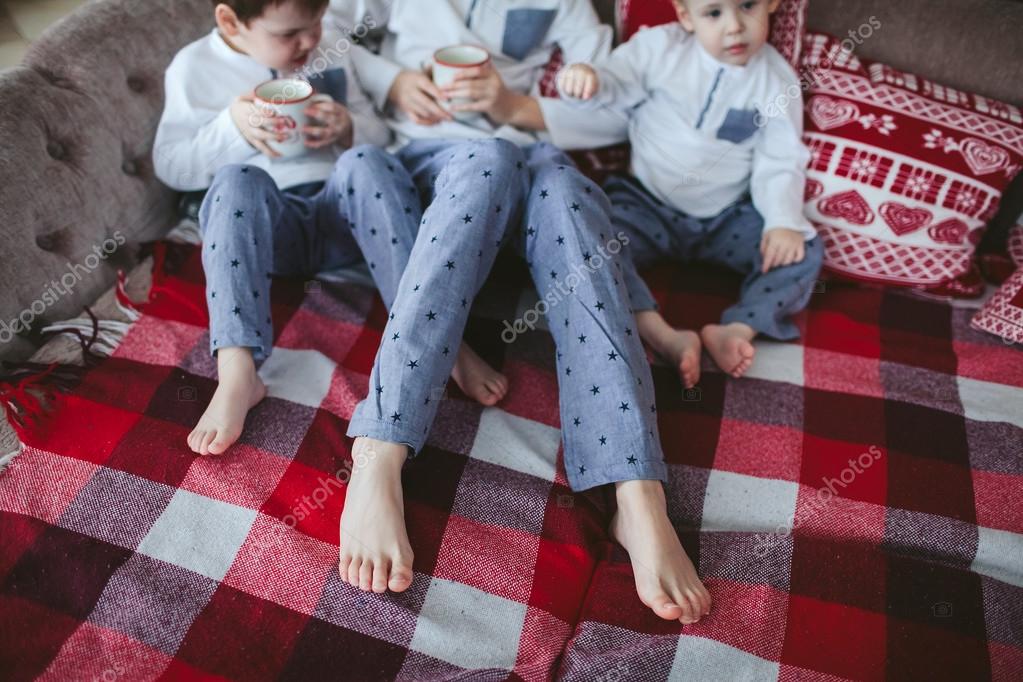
905 173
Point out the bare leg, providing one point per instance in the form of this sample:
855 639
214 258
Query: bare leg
238 391
680 347
730 346
375 551
665 577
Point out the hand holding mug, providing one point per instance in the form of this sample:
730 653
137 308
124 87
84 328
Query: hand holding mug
330 123
250 121
414 93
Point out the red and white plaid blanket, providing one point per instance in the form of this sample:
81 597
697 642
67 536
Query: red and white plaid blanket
890 440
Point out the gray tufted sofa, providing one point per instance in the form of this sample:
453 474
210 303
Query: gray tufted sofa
77 120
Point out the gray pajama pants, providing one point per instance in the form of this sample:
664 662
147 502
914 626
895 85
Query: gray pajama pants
732 238
482 195
252 230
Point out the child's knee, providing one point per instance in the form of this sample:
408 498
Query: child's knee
365 158
504 155
241 177
814 258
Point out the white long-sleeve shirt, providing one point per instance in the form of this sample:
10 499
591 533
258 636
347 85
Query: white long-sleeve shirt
519 34
197 136
703 133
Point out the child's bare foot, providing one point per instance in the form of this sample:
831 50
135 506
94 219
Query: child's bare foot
665 577
375 551
239 388
477 379
678 346
730 346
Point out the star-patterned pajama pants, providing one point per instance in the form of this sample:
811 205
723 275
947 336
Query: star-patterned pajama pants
482 195
252 231
732 238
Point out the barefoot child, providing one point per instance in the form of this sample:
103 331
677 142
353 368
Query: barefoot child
484 193
263 214
715 122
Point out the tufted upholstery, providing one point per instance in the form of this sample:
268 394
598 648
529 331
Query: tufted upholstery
77 120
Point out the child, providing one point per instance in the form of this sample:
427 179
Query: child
715 122
483 193
263 214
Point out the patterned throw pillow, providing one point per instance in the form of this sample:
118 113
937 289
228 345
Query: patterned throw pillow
1003 314
905 173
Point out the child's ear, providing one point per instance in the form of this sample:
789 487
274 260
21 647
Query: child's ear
227 21
683 15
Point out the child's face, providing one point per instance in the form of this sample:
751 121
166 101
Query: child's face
732 31
281 38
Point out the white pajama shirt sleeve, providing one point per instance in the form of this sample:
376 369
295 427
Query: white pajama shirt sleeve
778 178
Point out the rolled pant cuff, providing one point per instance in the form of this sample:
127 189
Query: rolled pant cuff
259 349
778 331
650 470
388 431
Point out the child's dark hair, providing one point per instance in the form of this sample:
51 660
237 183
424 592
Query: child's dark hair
247 10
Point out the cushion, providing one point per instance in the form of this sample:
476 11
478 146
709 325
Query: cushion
1003 314
905 173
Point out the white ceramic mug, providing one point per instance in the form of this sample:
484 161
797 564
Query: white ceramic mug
448 62
288 98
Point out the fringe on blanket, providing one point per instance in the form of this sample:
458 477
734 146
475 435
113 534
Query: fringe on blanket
29 390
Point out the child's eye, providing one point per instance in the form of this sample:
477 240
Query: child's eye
747 6
713 14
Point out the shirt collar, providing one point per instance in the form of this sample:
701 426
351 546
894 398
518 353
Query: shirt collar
709 62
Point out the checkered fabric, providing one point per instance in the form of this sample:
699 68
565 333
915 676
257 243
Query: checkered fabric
889 441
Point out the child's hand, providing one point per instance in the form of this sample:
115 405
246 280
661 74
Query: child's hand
579 81
782 246
335 125
255 126
415 93
486 90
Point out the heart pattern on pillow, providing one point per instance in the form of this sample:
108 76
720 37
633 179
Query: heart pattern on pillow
950 231
983 158
849 205
830 113
904 219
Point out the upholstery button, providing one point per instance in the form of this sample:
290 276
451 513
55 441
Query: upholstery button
136 83
130 167
56 150
47 242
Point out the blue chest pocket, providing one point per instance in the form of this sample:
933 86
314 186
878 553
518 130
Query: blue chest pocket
333 82
524 30
739 125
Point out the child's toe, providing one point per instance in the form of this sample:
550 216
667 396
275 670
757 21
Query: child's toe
353 571
366 575
401 578
380 577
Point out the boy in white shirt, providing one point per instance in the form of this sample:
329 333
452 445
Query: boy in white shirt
715 122
264 214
